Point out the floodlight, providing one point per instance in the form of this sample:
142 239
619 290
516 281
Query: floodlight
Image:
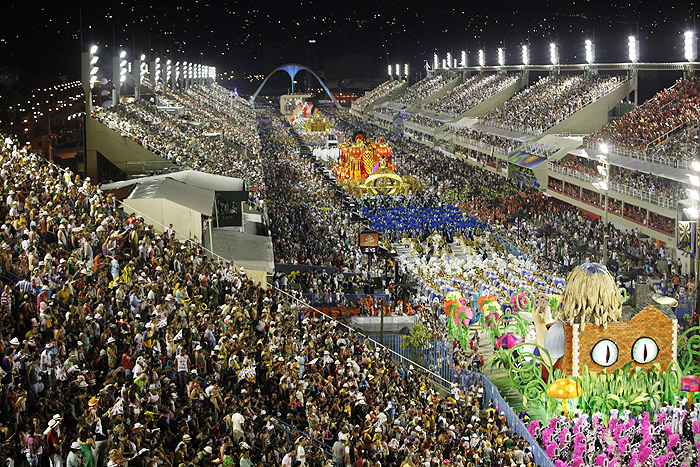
482 59
526 55
449 59
604 148
464 58
93 49
553 55
691 212
590 51
405 70
693 194
694 180
501 57
398 70
633 46
695 165
436 64
691 47
390 70
602 170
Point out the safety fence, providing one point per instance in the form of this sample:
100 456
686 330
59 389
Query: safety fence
333 299
437 357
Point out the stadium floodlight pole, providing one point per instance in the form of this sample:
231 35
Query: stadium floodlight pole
590 51
633 49
118 76
436 64
176 76
526 55
691 48
501 57
444 63
398 70
463 63
139 76
168 74
390 70
553 55
449 60
482 59
190 74
89 71
405 71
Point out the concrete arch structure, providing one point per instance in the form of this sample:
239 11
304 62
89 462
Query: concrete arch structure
292 69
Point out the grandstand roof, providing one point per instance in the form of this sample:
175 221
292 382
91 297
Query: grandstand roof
188 177
665 171
191 197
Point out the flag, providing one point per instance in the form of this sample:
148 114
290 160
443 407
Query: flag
98 427
118 409
178 336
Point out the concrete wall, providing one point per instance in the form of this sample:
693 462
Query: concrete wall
119 150
594 116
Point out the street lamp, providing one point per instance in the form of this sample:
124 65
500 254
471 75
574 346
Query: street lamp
482 59
526 55
501 57
590 51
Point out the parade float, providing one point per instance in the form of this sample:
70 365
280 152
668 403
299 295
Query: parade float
618 353
364 167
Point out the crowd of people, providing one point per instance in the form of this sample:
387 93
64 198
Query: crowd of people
198 138
473 91
423 121
417 92
121 345
548 102
682 146
486 140
652 122
384 89
636 180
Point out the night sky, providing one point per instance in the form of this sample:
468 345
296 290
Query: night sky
43 38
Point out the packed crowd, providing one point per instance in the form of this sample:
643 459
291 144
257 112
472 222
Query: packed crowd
682 146
548 102
417 92
652 122
473 91
423 121
109 360
192 143
305 220
384 89
486 140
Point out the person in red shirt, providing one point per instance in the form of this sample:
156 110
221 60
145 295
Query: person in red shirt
127 364
53 444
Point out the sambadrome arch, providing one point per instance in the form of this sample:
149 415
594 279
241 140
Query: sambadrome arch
292 69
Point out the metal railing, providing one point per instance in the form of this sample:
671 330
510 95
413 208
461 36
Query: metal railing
642 156
661 201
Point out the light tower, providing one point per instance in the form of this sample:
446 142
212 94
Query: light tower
89 72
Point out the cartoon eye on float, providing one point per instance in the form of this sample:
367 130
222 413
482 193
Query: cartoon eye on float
604 353
644 350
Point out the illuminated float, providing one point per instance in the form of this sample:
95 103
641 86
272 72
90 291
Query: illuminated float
364 167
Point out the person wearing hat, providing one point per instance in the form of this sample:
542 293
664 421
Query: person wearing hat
52 439
73 459
181 450
204 457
